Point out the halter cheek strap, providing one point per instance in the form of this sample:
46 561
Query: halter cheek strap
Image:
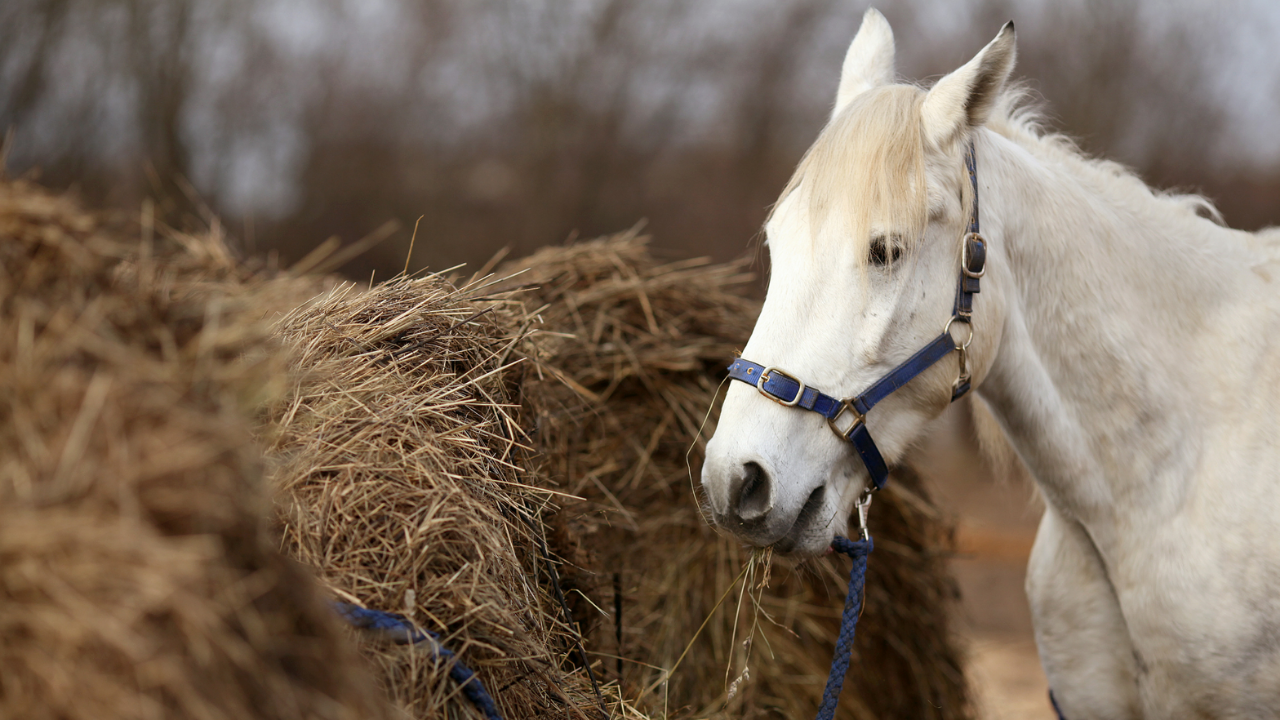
786 389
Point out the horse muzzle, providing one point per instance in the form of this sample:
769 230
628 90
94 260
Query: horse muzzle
747 501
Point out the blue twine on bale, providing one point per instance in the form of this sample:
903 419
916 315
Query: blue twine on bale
403 632
858 552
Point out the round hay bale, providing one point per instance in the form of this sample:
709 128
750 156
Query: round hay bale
138 576
618 386
397 483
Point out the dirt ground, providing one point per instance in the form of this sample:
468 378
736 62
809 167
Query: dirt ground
997 523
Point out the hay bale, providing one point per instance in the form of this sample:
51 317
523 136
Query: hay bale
395 465
138 577
613 396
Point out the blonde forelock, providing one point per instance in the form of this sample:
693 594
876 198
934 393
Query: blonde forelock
866 170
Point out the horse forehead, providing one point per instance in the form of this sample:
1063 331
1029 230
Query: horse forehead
790 225
794 245
790 216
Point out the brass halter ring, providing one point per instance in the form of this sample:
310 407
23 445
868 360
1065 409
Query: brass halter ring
947 329
846 406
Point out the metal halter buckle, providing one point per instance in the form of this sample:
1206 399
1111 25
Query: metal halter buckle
964 255
846 405
764 376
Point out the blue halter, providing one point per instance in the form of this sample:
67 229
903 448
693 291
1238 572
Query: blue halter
786 389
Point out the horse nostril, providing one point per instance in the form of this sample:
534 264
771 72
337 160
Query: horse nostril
812 506
755 500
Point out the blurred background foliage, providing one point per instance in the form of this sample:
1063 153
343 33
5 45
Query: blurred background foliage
523 122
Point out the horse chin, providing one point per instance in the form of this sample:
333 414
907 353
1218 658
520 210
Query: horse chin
811 533
804 546
808 542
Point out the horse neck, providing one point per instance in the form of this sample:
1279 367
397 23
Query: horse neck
1107 287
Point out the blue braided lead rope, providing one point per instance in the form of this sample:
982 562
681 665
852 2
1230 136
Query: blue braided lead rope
858 551
403 632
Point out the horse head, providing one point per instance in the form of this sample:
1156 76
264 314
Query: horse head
865 245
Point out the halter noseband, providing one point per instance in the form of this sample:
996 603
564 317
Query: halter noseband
786 389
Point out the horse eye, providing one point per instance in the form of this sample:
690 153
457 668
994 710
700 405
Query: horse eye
884 251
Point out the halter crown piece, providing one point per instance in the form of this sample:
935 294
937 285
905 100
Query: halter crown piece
786 389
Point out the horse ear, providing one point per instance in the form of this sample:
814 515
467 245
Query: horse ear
869 61
964 99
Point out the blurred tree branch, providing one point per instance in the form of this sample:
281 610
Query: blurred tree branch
518 122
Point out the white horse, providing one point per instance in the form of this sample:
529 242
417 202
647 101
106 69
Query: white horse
1126 344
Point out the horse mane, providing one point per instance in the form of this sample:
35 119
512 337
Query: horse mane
1018 116
875 146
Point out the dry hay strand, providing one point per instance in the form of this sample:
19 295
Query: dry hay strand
615 392
396 483
138 577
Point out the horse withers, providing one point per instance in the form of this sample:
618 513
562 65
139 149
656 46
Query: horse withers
1124 340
